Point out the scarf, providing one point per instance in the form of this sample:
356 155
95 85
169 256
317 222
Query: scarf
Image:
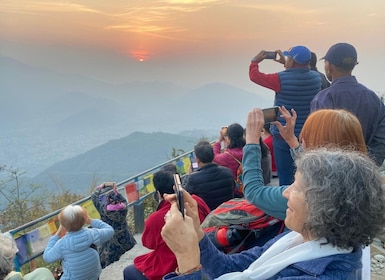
287 250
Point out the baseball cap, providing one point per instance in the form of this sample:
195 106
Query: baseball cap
341 54
299 54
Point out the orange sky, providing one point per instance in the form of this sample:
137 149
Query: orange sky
187 42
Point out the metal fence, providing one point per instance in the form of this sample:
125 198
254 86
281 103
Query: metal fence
32 238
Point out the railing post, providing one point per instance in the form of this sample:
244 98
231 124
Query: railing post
139 216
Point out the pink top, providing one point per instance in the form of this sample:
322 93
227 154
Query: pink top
115 207
227 160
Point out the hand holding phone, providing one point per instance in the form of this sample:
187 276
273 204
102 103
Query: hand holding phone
270 114
179 194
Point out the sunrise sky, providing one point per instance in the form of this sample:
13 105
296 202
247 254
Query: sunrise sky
187 42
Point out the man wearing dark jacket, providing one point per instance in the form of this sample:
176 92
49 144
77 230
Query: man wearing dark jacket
347 93
211 182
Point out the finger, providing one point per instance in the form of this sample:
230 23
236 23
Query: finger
170 197
188 198
278 125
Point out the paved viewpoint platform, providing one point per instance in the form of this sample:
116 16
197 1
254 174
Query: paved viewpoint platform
115 270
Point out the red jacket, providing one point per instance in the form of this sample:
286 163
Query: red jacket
157 263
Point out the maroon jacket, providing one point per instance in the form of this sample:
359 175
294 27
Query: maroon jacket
227 160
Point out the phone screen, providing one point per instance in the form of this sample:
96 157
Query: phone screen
194 166
270 55
179 193
270 114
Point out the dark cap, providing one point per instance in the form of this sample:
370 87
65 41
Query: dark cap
341 54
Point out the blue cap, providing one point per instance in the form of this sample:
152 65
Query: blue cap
341 54
299 54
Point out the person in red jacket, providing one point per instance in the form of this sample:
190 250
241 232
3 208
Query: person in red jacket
161 260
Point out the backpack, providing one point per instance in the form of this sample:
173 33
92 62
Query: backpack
237 225
238 179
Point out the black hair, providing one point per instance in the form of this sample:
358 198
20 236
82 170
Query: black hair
163 181
264 148
236 134
266 127
313 61
204 151
170 167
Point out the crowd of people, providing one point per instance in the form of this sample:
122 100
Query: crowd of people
325 148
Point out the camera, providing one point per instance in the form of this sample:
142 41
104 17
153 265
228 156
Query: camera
270 55
270 114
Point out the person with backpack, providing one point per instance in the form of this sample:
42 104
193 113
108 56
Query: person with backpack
233 141
330 221
211 182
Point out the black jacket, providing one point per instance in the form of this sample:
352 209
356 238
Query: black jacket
213 183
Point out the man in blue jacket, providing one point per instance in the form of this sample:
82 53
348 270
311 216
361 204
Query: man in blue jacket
294 88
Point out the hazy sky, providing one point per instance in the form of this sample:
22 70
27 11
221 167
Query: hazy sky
187 42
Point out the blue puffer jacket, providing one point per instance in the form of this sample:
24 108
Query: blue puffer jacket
298 88
79 260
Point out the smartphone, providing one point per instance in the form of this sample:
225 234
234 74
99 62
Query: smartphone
270 55
194 166
179 194
270 114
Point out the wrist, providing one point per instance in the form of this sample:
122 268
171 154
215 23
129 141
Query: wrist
189 261
293 143
192 270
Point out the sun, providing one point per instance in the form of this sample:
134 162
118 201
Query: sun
140 55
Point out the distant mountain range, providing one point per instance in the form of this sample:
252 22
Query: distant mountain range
48 116
116 161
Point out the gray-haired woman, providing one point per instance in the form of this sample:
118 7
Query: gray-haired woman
8 250
336 206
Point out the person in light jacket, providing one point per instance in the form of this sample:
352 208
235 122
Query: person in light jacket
72 244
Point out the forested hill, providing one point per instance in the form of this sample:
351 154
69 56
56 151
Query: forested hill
114 161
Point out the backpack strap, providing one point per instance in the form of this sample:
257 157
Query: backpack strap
233 157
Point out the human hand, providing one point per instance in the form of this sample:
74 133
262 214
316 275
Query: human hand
191 207
88 220
287 130
61 231
259 57
281 57
254 126
182 239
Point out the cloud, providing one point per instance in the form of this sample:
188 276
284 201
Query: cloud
34 7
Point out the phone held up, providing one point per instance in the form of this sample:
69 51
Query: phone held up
179 194
270 114
270 55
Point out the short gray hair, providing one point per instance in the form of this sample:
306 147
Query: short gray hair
8 250
345 196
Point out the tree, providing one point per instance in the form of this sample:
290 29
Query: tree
58 201
23 202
